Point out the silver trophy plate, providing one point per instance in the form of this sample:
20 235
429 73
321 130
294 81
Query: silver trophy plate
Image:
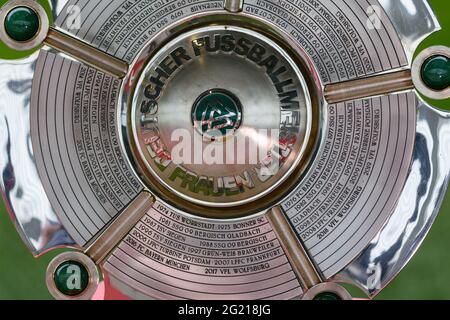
210 149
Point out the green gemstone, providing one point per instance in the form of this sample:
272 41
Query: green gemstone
436 72
327 296
71 278
22 24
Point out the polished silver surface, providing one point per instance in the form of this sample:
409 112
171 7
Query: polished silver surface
413 20
121 29
356 178
335 35
22 189
170 256
58 7
188 132
417 207
75 139
233 5
378 173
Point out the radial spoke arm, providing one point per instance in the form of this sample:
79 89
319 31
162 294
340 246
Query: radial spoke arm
297 255
118 229
85 53
368 87
233 5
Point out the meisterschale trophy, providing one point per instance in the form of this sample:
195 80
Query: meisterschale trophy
218 150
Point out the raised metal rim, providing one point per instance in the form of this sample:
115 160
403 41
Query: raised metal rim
44 25
85 261
327 287
289 172
313 85
416 72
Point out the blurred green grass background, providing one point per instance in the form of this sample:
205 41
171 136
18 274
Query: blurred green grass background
425 277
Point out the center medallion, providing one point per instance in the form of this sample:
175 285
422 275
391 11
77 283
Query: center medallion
217 114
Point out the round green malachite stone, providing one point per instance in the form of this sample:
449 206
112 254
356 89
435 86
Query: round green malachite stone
327 296
22 24
71 278
436 72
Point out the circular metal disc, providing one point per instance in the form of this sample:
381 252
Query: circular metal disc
221 116
137 112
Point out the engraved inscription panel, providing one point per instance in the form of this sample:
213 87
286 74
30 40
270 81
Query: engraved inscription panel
356 179
170 256
122 27
334 34
76 144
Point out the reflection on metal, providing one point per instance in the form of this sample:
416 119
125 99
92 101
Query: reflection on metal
233 5
327 288
260 100
22 190
85 53
417 208
413 20
57 7
364 184
67 155
301 263
170 255
119 228
417 72
369 87
271 121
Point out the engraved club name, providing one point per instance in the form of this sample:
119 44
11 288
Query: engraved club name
226 43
